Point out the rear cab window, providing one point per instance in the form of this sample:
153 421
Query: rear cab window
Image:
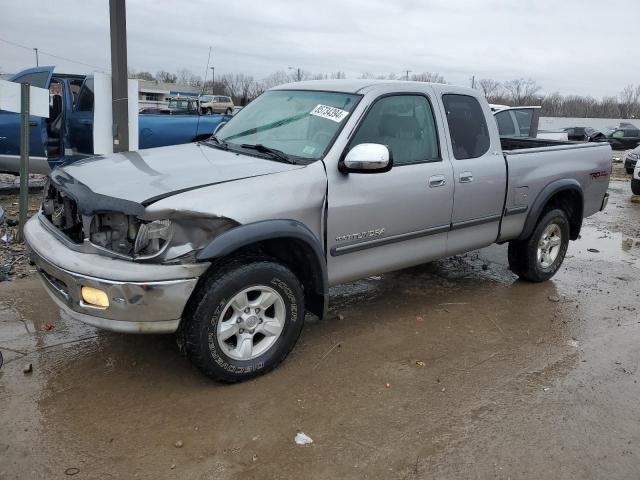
467 126
84 101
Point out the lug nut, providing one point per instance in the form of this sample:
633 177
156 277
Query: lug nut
257 310
241 330
260 321
251 331
246 310
239 320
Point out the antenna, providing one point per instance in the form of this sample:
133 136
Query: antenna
204 81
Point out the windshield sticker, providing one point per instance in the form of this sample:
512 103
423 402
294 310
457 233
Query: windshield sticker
330 113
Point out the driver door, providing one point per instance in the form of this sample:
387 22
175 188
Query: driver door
36 77
386 221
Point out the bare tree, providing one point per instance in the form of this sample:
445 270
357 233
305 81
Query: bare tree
141 75
276 78
522 90
428 77
629 97
338 75
489 87
166 77
187 77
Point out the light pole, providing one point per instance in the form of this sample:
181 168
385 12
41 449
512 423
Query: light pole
36 50
408 71
298 72
213 79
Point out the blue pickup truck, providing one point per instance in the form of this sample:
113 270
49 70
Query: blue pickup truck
67 135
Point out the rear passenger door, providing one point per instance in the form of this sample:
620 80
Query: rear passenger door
479 173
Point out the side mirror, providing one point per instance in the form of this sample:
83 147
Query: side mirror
367 158
220 125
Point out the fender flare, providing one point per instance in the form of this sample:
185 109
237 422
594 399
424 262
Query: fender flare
557 186
245 235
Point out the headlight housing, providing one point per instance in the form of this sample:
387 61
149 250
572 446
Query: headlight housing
153 238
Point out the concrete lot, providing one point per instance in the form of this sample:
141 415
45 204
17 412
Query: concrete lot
449 370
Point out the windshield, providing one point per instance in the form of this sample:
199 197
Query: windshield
299 123
179 104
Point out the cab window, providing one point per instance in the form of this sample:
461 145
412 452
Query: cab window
467 126
405 124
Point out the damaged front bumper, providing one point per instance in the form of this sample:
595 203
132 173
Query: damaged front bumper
143 298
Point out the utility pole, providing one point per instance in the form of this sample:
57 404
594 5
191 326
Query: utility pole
298 72
213 79
24 159
119 87
473 82
408 71
37 63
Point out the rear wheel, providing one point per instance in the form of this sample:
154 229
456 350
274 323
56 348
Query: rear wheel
629 171
539 257
228 111
635 186
244 319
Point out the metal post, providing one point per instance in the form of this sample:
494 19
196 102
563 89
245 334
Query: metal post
119 87
299 75
37 63
24 159
213 79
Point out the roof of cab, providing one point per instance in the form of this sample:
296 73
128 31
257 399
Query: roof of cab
361 86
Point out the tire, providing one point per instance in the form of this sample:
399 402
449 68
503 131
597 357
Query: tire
635 186
210 316
629 171
228 111
523 255
209 111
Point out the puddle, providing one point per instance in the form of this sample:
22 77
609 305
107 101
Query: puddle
610 246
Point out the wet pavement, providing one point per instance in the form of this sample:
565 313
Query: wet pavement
448 370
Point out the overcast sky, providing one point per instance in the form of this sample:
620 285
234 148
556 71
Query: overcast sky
572 46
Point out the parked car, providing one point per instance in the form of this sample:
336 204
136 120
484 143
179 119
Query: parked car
67 135
229 242
585 134
216 104
635 180
624 138
631 160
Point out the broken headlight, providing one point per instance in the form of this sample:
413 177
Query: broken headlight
153 238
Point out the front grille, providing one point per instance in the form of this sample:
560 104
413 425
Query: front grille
62 212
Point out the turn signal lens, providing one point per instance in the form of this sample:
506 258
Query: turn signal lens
93 296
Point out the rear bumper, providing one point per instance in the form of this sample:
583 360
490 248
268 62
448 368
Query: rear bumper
143 298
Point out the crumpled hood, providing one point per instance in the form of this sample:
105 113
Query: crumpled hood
148 175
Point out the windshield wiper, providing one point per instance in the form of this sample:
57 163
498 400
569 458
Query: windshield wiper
272 152
218 143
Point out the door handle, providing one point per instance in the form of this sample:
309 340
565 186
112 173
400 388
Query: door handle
33 123
466 177
437 181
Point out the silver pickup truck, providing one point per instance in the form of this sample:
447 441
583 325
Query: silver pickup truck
231 241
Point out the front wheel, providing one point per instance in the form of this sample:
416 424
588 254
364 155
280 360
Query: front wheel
539 257
629 170
243 320
635 186
228 111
